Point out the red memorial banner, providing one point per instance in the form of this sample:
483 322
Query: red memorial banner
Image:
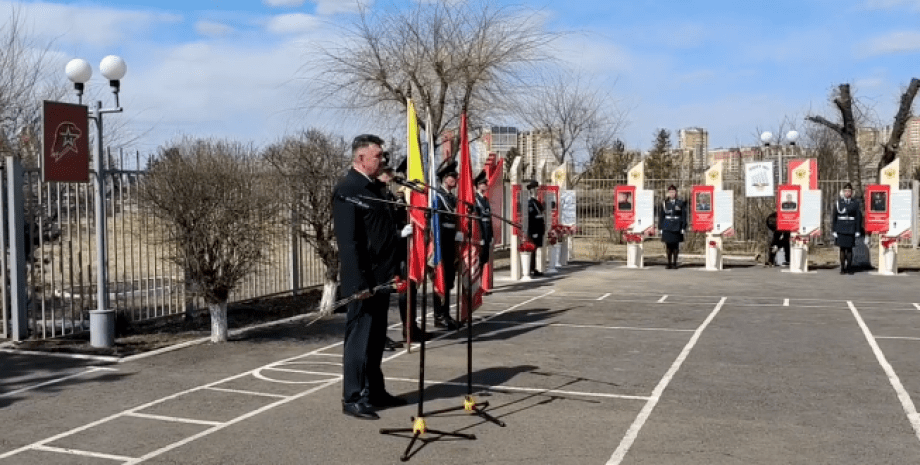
701 208
878 206
553 193
624 207
788 208
66 142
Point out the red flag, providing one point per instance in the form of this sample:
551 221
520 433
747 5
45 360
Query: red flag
470 269
495 194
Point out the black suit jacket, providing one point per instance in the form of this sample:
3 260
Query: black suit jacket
365 229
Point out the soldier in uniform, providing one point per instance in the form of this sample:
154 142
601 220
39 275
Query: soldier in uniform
672 222
847 224
366 233
536 224
484 210
447 201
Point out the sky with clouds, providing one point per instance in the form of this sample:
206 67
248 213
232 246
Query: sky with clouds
233 68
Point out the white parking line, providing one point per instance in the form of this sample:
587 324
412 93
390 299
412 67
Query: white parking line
899 338
98 455
524 389
786 303
906 403
250 393
569 325
917 306
603 296
633 432
662 299
57 380
191 421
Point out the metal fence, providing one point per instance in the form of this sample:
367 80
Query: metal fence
143 282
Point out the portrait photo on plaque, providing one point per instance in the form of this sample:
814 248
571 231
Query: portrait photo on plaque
878 202
624 201
703 202
790 201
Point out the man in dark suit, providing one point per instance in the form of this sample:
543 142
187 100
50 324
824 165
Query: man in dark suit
624 203
672 223
484 210
536 224
847 226
789 204
365 231
879 202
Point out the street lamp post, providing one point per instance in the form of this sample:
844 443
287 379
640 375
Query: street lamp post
113 68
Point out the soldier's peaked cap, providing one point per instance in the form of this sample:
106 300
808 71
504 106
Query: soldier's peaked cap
448 168
481 178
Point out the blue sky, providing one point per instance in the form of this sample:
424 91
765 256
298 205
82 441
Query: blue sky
229 68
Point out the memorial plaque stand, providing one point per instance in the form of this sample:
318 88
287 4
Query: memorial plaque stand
713 252
634 255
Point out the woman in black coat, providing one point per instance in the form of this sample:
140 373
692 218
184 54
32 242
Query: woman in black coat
847 225
672 222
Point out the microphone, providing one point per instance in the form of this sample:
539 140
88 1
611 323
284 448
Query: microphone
410 184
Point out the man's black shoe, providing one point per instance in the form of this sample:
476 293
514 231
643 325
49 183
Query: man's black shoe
536 273
842 271
359 410
392 345
446 322
387 400
416 334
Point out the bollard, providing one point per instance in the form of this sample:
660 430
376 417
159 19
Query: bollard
634 256
888 262
798 262
102 328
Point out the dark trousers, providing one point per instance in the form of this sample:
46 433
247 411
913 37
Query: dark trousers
365 335
780 241
442 306
846 258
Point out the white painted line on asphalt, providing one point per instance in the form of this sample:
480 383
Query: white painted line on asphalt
306 372
662 299
97 358
98 455
917 306
173 419
786 303
906 403
633 432
900 338
93 424
603 296
229 423
249 393
511 389
569 325
57 380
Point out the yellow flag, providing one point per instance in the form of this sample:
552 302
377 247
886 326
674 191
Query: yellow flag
636 176
414 169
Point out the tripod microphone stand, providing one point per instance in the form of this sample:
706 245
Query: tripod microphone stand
419 425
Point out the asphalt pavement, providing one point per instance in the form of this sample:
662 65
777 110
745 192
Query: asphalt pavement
596 364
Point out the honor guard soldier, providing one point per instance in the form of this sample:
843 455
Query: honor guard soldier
365 230
484 210
447 201
672 222
536 224
847 225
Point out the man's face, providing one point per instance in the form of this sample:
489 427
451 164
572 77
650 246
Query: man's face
482 188
369 159
789 197
450 182
847 193
672 194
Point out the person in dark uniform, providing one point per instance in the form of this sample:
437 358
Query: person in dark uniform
484 210
780 239
536 224
879 202
703 202
449 238
365 230
672 222
847 225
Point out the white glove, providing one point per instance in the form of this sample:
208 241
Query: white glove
458 237
835 235
866 240
682 231
858 234
406 230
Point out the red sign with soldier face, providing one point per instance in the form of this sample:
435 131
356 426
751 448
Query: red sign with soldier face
624 207
877 208
701 206
788 208
65 142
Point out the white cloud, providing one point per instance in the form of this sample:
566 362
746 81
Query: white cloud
283 3
213 29
294 23
894 42
87 25
331 7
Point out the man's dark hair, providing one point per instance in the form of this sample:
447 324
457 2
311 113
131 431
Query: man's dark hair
365 140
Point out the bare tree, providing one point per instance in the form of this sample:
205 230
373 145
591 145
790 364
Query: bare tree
852 113
26 78
574 113
610 162
450 56
219 210
306 167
